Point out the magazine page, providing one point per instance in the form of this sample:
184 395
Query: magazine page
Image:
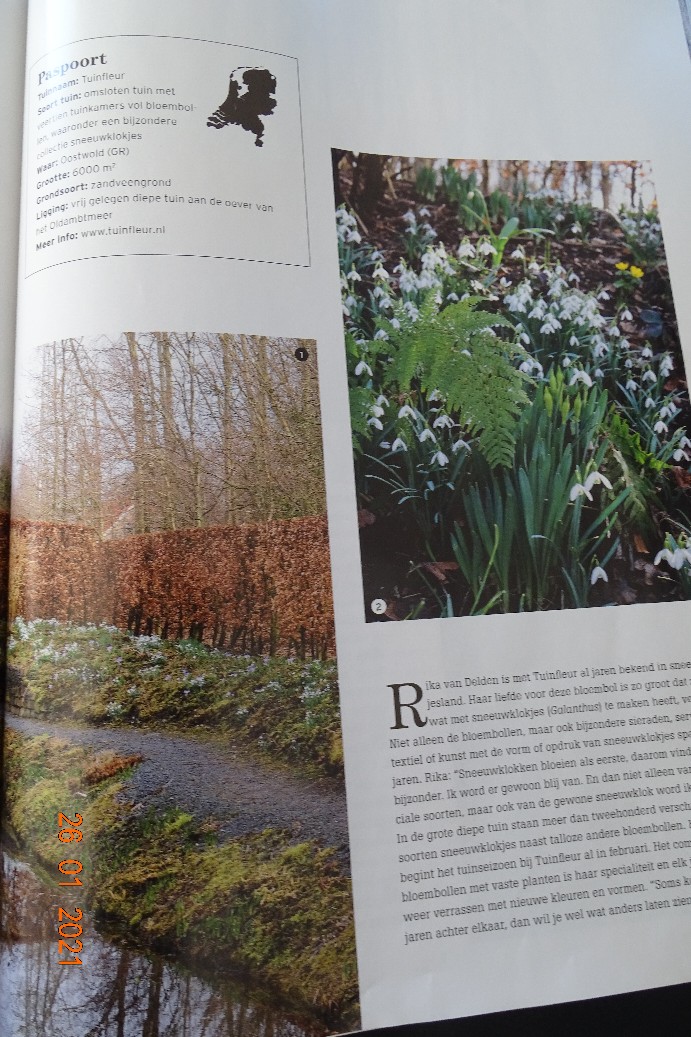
13 46
352 449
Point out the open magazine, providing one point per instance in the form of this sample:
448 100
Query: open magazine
346 569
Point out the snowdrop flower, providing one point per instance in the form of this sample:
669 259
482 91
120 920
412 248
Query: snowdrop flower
597 479
460 444
573 341
434 395
465 250
684 442
581 376
381 401
377 411
628 363
381 272
427 434
666 365
440 458
363 368
646 352
650 402
518 253
631 385
566 362
381 334
443 421
579 490
424 211
660 428
668 412
603 295
648 376
452 297
409 217
375 423
486 248
466 352
525 339
534 267
583 489
406 411
599 373
598 573
353 275
626 315
504 282
675 558
397 446
680 455
395 323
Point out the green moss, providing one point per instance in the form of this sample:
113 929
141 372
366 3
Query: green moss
260 903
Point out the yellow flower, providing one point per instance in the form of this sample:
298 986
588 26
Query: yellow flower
622 266
636 272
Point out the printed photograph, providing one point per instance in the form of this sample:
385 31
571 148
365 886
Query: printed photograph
519 404
176 852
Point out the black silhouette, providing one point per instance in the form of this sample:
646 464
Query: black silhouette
250 95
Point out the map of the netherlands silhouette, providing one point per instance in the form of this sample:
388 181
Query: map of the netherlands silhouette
250 95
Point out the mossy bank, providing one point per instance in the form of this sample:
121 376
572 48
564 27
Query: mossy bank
258 904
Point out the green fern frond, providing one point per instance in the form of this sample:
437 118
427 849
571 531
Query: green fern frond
458 353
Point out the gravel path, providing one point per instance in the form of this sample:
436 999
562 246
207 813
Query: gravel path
209 780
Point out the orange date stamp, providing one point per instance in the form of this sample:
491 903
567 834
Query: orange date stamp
69 927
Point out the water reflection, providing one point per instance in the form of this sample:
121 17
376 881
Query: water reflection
118 992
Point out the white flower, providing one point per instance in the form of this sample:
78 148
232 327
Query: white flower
465 250
573 341
518 253
406 411
441 459
363 368
646 353
452 297
597 479
381 272
666 365
603 295
375 423
427 434
443 421
650 402
598 573
648 376
397 446
381 401
460 444
395 323
660 428
676 559
353 275
684 442
631 385
434 395
581 376
381 334
486 248
680 455
579 490
377 411
626 315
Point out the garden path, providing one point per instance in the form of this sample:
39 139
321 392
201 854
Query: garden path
215 781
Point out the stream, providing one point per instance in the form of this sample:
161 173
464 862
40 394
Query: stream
120 990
